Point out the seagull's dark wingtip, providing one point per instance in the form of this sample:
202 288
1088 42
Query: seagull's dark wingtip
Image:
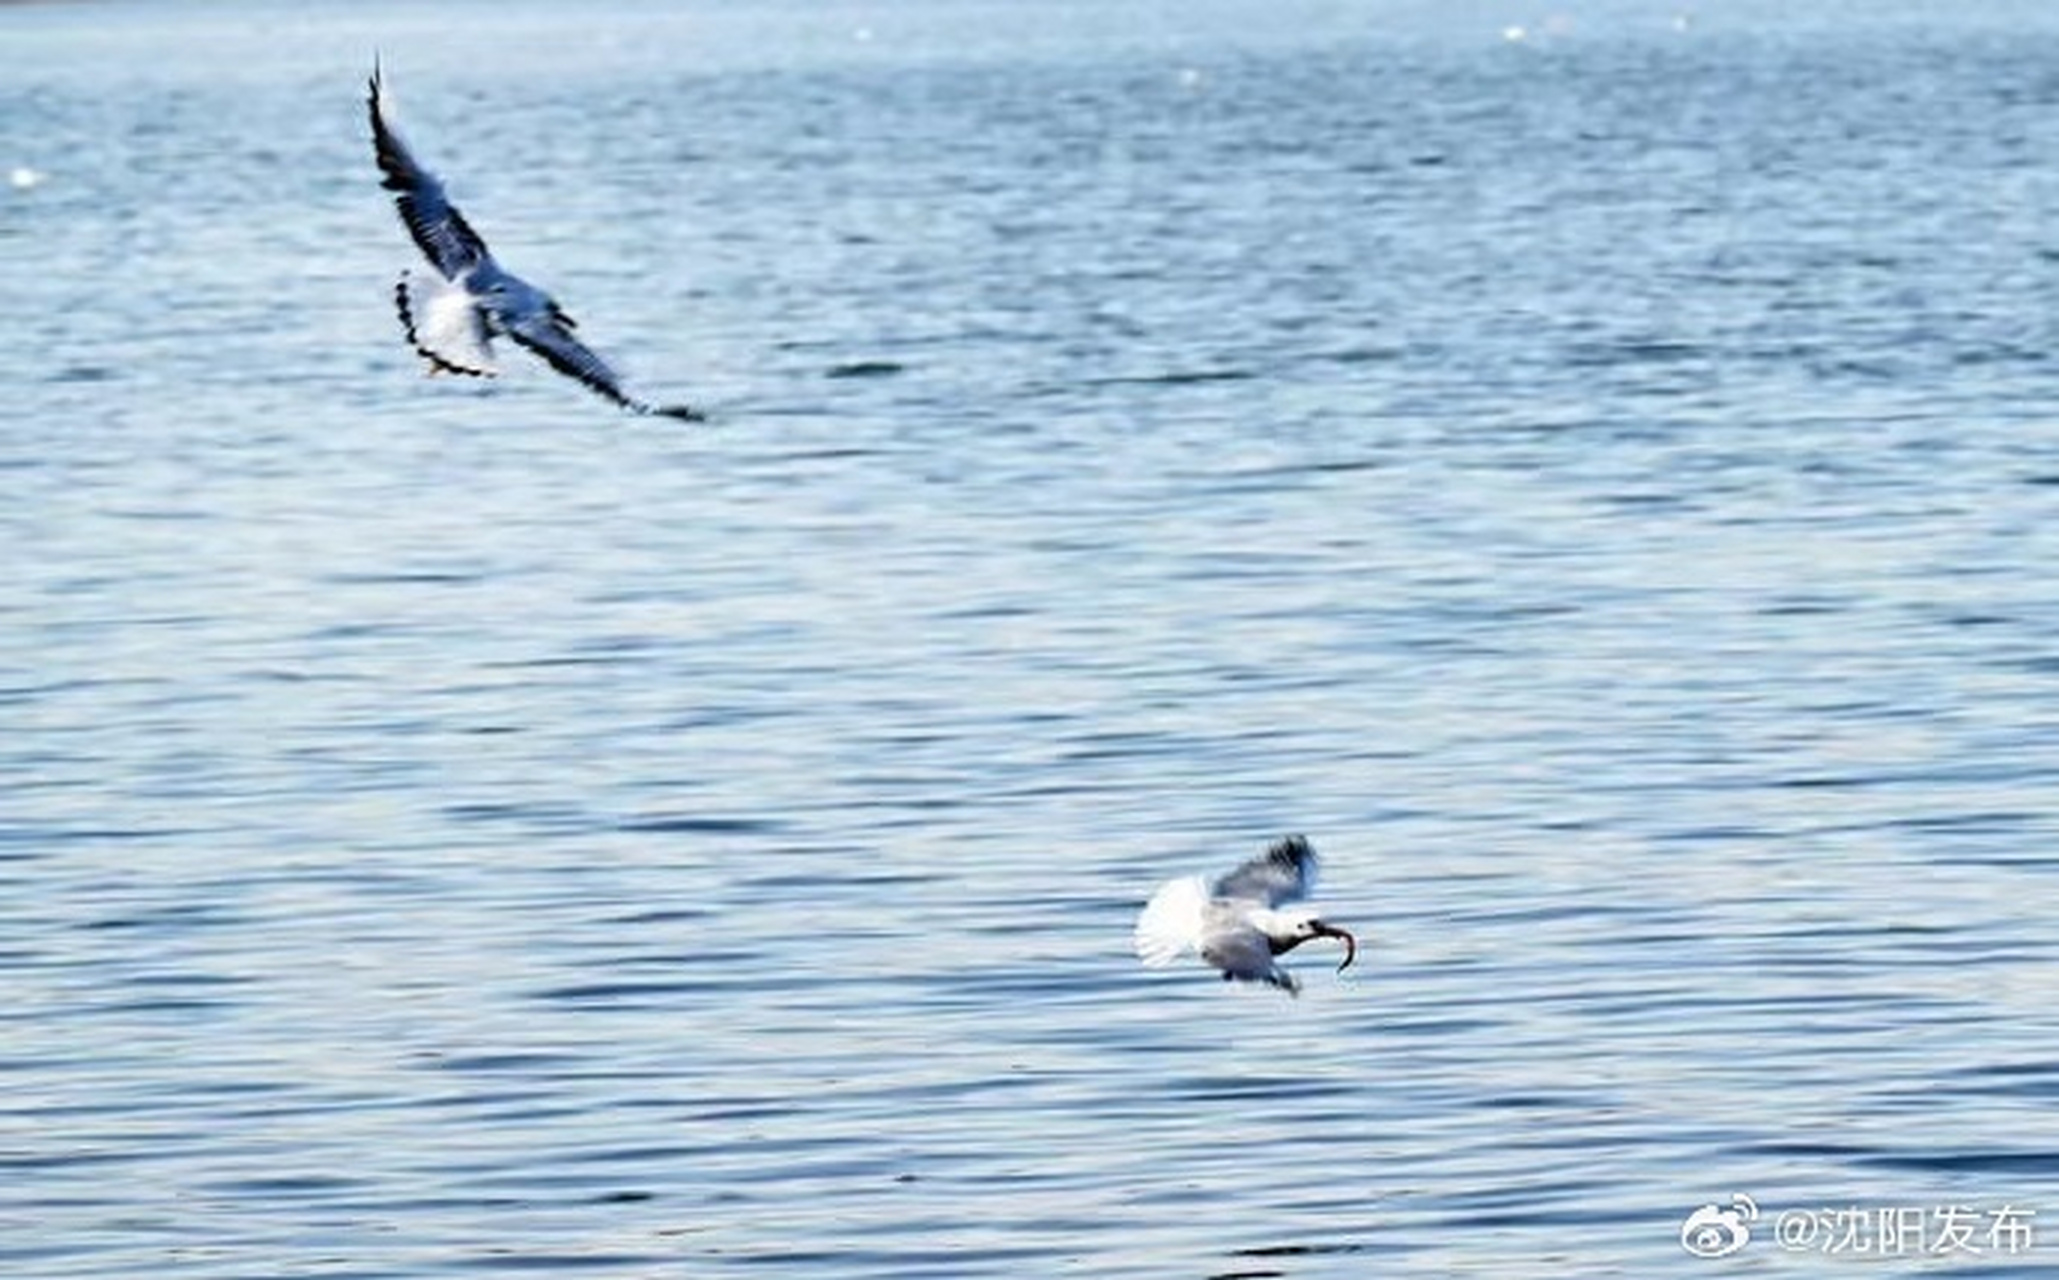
681 412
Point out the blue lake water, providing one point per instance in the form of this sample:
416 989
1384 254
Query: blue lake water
1597 476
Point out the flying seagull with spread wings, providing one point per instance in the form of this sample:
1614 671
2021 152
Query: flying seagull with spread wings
453 314
1236 924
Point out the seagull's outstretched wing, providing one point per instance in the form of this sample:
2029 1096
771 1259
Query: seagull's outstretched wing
1283 873
549 335
446 239
1173 922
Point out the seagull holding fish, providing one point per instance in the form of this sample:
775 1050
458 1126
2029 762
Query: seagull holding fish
452 314
1236 924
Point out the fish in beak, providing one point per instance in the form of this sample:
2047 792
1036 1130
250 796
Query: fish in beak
1344 935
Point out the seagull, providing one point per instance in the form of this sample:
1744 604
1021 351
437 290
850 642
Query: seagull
452 315
1236 923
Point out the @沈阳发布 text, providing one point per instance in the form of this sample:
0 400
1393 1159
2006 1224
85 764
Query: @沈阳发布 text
1717 1230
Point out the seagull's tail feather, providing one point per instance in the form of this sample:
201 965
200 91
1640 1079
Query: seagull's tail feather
1172 921
444 324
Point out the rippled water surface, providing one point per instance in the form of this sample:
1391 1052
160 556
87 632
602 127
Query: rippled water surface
1600 485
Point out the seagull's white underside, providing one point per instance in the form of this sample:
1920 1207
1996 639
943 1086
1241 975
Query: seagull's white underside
444 319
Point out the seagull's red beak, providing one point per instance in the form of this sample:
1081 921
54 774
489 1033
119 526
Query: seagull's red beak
1344 935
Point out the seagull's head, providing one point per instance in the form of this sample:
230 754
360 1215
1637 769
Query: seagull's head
1287 930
